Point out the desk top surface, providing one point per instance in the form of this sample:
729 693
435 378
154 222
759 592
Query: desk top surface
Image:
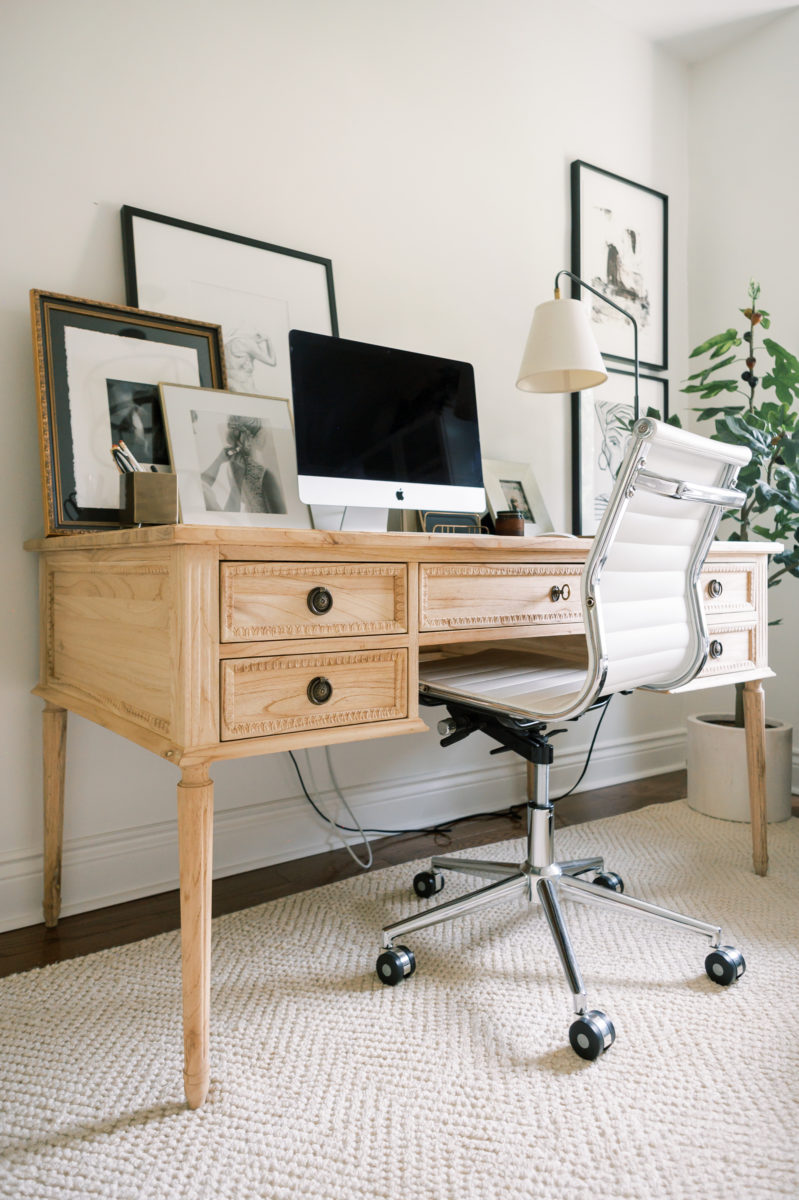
357 544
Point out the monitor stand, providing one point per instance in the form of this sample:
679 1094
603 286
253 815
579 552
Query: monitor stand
351 518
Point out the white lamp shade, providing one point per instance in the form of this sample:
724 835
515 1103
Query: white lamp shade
561 354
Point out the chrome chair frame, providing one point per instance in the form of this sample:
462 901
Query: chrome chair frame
540 876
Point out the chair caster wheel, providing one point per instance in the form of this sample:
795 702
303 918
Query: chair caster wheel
427 883
395 965
609 880
592 1034
724 965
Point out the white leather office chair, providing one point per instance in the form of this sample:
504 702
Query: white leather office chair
644 627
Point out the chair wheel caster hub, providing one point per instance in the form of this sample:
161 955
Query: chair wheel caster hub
427 883
395 965
592 1034
724 965
609 880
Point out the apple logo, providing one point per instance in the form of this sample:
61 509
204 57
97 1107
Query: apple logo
399 494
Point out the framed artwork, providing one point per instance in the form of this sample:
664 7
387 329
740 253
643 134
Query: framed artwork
256 291
601 421
98 367
234 458
511 486
620 247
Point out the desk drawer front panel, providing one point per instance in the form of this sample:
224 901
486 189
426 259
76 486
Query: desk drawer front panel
295 600
728 588
473 597
732 649
261 696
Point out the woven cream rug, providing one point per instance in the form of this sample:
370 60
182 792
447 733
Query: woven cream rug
459 1083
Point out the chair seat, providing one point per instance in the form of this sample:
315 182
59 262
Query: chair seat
503 680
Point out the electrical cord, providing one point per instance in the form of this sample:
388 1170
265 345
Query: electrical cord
513 812
574 786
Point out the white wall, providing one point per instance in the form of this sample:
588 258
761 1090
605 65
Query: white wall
424 148
743 109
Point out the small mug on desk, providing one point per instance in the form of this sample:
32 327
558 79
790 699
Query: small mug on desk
510 523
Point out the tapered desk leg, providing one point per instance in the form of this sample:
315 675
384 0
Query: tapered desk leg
195 841
54 747
755 722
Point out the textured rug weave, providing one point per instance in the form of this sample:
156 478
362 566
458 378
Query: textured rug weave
460 1082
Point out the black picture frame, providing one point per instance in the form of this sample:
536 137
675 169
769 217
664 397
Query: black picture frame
256 291
620 245
95 365
601 419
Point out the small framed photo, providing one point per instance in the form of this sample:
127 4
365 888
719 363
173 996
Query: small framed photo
511 487
234 457
602 418
98 367
256 291
620 247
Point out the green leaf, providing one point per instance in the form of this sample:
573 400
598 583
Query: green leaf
725 362
718 339
705 414
714 388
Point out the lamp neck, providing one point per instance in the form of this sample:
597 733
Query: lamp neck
581 283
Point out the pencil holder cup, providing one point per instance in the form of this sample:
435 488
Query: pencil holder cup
148 498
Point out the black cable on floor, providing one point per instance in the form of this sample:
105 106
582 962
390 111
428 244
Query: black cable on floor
513 812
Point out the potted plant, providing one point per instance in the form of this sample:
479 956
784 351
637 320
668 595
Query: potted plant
756 411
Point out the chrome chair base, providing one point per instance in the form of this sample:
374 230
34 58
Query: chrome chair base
540 877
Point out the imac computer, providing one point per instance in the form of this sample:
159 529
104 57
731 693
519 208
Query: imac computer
383 428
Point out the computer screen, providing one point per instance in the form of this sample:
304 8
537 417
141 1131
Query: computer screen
379 427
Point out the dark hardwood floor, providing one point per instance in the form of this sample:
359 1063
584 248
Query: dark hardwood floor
36 946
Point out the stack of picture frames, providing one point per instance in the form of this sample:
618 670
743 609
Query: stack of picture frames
619 247
193 376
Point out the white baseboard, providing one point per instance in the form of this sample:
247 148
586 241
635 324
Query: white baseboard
129 863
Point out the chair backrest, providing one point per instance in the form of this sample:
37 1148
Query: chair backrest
642 606
641 594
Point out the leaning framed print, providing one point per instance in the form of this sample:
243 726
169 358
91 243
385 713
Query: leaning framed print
601 421
511 487
98 367
234 458
620 247
256 291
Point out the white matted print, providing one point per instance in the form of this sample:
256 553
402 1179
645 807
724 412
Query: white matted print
602 418
234 457
511 487
257 291
620 247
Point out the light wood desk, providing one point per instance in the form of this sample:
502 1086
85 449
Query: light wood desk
203 644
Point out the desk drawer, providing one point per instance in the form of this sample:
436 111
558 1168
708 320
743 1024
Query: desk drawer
474 597
732 649
728 588
273 695
261 601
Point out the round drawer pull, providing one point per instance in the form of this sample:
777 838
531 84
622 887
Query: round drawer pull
319 690
320 600
716 649
715 588
560 593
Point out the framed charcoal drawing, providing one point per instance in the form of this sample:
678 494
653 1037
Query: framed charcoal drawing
256 291
511 486
620 247
601 420
234 458
98 367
